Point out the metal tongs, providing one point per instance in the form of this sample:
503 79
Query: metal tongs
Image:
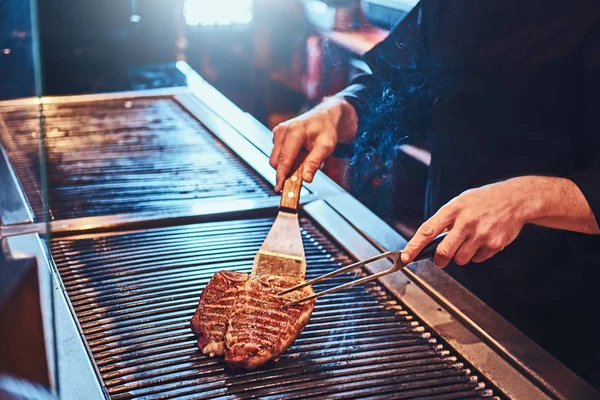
426 253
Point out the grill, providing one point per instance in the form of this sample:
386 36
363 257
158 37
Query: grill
124 156
132 282
135 292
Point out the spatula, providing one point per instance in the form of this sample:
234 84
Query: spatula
282 252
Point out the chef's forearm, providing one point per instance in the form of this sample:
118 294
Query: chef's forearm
557 203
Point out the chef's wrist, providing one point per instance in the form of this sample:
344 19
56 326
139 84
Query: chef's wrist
530 199
543 197
345 117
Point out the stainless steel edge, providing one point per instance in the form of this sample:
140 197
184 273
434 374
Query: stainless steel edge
14 207
246 125
507 340
366 222
31 101
200 213
78 378
482 356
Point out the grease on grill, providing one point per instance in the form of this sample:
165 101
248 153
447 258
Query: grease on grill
134 294
124 156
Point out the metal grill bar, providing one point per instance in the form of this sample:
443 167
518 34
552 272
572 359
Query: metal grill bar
124 156
134 294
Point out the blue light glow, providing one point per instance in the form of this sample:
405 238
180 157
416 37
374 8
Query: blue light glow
225 12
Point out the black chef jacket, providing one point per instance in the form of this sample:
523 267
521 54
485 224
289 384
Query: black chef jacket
513 89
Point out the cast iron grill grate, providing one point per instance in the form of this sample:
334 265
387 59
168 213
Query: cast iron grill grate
135 292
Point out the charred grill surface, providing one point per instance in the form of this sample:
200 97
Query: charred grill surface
123 156
134 294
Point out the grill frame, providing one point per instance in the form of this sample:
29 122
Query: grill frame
353 226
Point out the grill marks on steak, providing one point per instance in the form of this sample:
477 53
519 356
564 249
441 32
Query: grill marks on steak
261 328
242 318
209 323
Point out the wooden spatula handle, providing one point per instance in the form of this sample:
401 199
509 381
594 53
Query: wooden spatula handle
290 195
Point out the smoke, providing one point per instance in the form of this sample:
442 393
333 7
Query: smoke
330 53
396 113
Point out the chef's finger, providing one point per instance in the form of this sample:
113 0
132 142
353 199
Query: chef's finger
278 138
447 249
289 151
426 233
315 158
466 251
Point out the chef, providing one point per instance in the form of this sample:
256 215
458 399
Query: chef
507 96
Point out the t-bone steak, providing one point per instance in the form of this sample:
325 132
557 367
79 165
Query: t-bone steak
243 318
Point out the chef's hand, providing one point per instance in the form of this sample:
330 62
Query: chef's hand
318 131
483 221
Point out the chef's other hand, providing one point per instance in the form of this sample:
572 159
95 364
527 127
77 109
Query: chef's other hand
318 131
481 222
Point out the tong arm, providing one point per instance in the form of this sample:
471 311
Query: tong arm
393 255
427 252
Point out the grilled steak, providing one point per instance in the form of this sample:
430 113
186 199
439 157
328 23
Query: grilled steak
209 323
260 326
242 318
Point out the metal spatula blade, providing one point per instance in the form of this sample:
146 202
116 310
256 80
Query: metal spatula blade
282 252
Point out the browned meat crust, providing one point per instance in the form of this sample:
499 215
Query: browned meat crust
244 319
260 327
209 323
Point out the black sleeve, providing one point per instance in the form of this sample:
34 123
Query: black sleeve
395 69
588 182
588 179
